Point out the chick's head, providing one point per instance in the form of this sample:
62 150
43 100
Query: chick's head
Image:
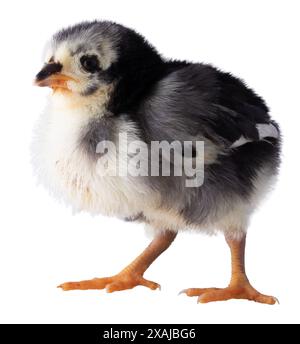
79 60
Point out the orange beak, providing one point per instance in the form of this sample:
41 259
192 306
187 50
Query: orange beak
51 76
55 81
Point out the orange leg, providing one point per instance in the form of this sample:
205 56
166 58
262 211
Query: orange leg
239 286
132 275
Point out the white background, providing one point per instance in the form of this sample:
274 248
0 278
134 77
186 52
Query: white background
42 244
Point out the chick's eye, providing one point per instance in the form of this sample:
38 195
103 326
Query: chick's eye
90 63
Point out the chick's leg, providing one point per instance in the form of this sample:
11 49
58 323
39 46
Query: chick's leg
132 275
239 286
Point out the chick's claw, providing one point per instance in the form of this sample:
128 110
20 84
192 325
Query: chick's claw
196 291
118 282
96 283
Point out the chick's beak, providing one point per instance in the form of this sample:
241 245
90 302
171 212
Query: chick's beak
51 76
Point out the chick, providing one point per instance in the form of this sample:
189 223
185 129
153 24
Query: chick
108 84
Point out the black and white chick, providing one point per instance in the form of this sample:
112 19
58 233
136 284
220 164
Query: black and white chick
109 83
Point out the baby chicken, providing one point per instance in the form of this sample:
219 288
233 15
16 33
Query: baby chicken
109 84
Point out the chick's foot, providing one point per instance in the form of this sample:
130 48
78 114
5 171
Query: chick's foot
246 292
132 275
121 281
